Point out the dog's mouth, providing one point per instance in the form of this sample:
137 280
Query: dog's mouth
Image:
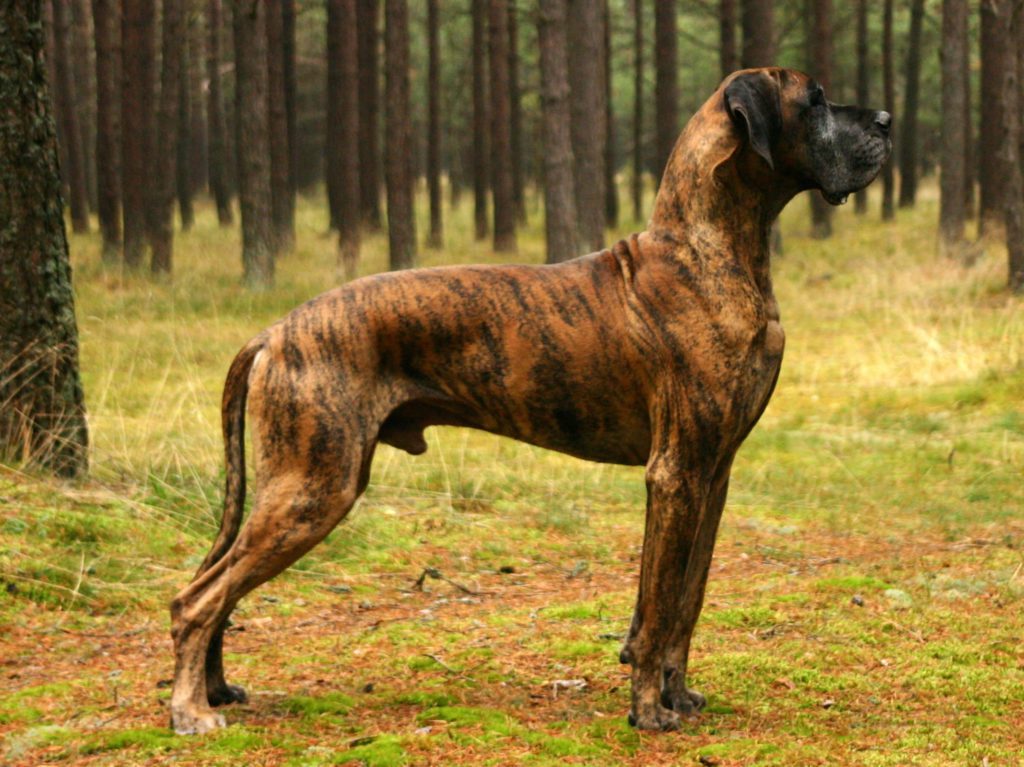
835 198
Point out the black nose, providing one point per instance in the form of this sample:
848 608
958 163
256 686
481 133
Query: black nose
883 120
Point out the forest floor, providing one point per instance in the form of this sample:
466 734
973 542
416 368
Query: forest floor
865 605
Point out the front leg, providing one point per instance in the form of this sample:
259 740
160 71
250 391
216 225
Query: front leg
676 506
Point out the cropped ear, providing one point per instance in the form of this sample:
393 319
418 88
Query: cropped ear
752 101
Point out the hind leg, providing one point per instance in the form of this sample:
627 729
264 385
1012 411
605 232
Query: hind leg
292 514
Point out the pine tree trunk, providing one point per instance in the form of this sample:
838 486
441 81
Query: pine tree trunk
84 67
282 200
501 133
889 87
666 95
42 420
908 136
515 96
758 33
68 113
138 45
481 165
435 237
290 94
398 138
1012 95
107 29
369 113
860 202
953 130
970 172
216 133
183 167
820 50
163 186
559 190
611 190
252 141
728 60
586 104
196 107
332 143
992 171
638 109
348 132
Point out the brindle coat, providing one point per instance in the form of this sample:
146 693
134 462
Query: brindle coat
662 351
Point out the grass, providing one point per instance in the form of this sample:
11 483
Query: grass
864 608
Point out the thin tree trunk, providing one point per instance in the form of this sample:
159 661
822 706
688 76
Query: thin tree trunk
860 201
501 133
42 415
332 143
953 130
666 91
183 167
435 238
758 33
282 201
107 28
820 45
559 192
515 97
138 40
481 166
163 187
348 133
728 60
586 103
992 170
889 87
1013 91
970 172
84 67
252 141
215 116
398 140
69 116
196 106
611 191
369 113
638 109
908 136
290 95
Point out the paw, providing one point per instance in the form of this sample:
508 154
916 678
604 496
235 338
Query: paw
656 718
225 693
192 720
687 702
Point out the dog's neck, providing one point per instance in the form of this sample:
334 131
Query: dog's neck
717 196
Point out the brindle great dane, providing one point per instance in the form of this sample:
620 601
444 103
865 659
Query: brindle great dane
662 351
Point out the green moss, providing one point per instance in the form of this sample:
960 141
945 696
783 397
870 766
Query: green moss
384 751
332 704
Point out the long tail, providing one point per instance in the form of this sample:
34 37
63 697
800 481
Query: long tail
232 409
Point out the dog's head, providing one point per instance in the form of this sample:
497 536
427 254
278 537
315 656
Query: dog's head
784 118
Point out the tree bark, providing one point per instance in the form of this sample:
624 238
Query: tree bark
481 166
332 140
398 140
638 109
435 238
953 130
728 60
501 133
992 170
71 120
282 200
820 50
586 104
290 95
197 161
611 191
252 142
107 29
559 191
369 114
970 172
889 87
215 116
908 136
163 186
183 167
860 201
516 124
666 92
1012 95
42 418
758 33
84 67
138 43
348 133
